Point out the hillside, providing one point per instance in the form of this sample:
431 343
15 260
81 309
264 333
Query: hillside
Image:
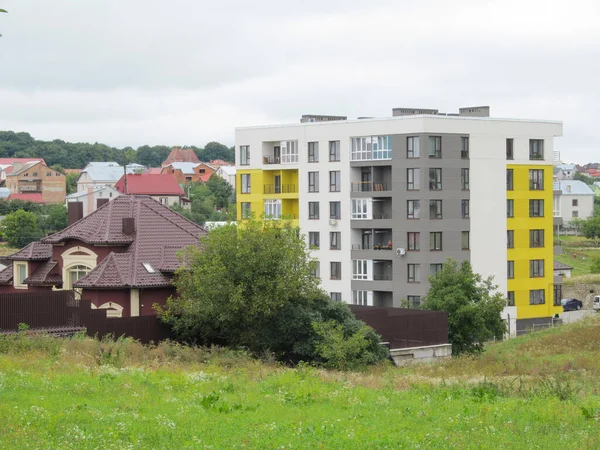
537 391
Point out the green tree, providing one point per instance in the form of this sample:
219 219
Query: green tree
591 227
19 228
474 309
583 177
71 181
52 219
595 267
221 190
576 223
215 150
253 287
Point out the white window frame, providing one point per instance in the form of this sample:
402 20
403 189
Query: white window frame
362 269
18 282
362 209
272 209
289 152
362 298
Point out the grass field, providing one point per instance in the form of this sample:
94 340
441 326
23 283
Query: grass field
537 391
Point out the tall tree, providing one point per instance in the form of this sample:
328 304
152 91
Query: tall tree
221 190
19 228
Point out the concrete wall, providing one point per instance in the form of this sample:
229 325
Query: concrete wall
430 353
583 292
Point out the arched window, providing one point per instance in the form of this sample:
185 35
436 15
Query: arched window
75 273
113 310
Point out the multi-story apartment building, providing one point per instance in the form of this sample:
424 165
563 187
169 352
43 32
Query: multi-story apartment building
385 202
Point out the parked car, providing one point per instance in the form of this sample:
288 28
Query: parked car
597 303
572 304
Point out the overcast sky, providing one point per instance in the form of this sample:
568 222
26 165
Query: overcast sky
134 72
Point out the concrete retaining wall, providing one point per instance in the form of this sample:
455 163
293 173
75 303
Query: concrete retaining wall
427 353
583 292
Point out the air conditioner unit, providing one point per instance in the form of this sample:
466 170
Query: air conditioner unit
400 252
332 222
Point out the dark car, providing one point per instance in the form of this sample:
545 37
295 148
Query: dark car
572 304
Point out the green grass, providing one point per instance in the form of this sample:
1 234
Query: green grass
537 391
581 265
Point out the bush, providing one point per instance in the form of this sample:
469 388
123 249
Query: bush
595 267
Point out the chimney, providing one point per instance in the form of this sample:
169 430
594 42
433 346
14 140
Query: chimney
128 226
74 212
568 188
101 201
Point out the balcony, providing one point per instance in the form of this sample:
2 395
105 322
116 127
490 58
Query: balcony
272 159
370 186
280 189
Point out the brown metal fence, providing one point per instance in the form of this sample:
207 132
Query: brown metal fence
403 328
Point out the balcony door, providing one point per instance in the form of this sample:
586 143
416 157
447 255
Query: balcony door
277 154
277 181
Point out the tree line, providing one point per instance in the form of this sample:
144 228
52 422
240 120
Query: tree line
76 155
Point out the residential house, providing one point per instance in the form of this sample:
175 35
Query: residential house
163 188
93 198
189 172
573 199
135 168
562 269
228 174
568 170
181 155
121 257
7 165
35 181
557 173
99 173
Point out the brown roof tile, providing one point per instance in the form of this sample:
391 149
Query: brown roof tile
181 155
36 251
6 275
46 274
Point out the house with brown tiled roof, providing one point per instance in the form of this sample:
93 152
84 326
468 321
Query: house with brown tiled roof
121 257
181 155
187 172
36 177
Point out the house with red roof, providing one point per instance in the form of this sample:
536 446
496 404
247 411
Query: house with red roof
189 172
181 155
161 187
121 257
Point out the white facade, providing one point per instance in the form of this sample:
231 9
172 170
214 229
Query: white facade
228 174
575 199
90 197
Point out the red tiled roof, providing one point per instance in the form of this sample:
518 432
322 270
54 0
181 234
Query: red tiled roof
149 184
34 197
181 155
5 161
46 274
6 274
36 251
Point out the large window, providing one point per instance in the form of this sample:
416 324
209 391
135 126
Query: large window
536 268
412 179
313 152
20 273
244 155
510 239
435 209
510 269
412 147
464 209
246 210
413 207
360 208
435 241
334 181
414 301
465 245
360 269
434 269
510 184
536 149
313 210
336 296
510 298
435 179
289 152
414 273
313 181
360 298
510 208
414 241
536 208
335 240
536 238
464 147
464 179
273 209
509 149
335 210
536 180
246 186
435 146
75 273
371 147
537 297
334 151
335 268
314 240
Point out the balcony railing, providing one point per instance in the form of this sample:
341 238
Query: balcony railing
280 189
382 277
369 186
387 246
284 159
381 216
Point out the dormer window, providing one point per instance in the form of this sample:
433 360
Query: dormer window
148 268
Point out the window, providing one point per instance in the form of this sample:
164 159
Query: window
361 148
382 147
202 171
536 238
536 149
75 273
536 268
188 178
575 202
289 152
49 174
510 208
371 147
164 200
336 296
536 208
246 210
537 297
20 273
335 268
575 214
464 209
414 241
465 240
509 149
334 181
246 187
435 241
314 238
335 240
435 209
412 179
334 151
313 152
509 179
414 301
412 147
313 181
510 239
148 267
464 147
435 146
272 209
510 269
464 179
434 269
557 294
313 210
360 298
414 273
360 208
316 269
413 207
510 298
34 174
360 269
335 210
244 155
435 179
536 180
